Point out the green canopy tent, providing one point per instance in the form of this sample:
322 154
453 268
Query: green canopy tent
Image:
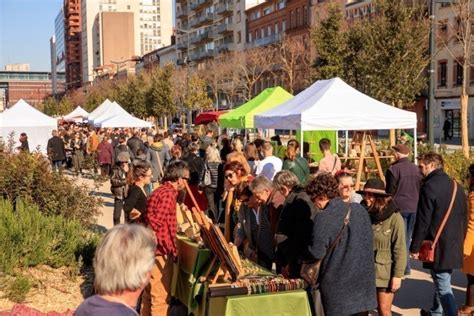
242 117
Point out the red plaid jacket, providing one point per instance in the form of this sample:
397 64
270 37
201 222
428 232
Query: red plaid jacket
161 217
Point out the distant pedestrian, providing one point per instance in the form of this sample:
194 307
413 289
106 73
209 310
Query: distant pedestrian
330 162
24 147
119 186
56 151
435 197
269 165
447 129
105 156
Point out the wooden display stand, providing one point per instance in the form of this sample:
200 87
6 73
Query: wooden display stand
359 143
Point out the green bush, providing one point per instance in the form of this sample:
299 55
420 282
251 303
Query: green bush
29 177
18 289
30 238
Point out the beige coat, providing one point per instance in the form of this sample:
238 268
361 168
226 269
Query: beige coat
468 267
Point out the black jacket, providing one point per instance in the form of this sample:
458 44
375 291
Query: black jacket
56 149
434 202
403 181
295 223
196 167
134 143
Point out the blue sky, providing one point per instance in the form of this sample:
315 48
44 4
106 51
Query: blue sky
25 29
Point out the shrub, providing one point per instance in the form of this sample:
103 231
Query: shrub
29 177
30 238
18 289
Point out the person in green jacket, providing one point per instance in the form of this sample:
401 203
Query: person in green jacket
390 253
295 163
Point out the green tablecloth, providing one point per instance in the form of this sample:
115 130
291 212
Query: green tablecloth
192 263
276 304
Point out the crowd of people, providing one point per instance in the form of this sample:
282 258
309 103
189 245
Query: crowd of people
289 217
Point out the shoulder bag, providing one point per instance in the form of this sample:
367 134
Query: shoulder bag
310 271
206 177
428 247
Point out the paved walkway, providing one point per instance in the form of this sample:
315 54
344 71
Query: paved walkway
416 291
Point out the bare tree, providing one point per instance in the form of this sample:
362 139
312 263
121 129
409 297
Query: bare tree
213 74
294 62
458 43
253 65
232 83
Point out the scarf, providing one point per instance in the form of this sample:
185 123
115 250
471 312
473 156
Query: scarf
378 217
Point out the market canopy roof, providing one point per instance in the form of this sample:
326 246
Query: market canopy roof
207 117
77 115
113 110
99 110
334 105
123 120
23 118
243 116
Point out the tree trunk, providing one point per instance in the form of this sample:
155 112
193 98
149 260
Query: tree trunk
464 127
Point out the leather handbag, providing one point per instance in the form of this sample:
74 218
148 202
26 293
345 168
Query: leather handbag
428 247
310 271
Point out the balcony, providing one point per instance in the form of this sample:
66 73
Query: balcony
202 55
225 28
182 13
225 47
205 18
264 41
225 8
182 45
202 38
199 4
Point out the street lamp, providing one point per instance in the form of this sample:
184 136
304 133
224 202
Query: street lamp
431 94
117 63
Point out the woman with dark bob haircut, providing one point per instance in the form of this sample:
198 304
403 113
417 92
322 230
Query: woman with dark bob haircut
347 278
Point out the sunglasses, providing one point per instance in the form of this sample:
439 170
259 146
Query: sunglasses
229 175
348 186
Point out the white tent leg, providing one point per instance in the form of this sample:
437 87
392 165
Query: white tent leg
245 137
301 143
347 143
415 146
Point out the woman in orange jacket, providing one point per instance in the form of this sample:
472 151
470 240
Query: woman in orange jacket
468 268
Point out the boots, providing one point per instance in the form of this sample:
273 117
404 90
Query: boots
468 309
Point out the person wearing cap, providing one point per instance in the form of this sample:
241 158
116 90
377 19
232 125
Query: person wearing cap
435 198
390 252
403 181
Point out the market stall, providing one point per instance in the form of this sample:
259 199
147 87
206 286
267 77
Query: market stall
210 278
111 111
76 116
99 110
334 105
122 120
208 117
23 118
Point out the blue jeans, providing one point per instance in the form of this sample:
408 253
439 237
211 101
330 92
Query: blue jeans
409 219
443 300
57 164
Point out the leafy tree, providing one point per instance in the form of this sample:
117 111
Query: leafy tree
131 95
159 95
197 97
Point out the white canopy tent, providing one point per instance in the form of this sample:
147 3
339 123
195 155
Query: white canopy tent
123 120
334 105
113 110
23 118
78 115
99 110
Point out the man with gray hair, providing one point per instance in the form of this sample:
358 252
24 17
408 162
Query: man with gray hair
161 218
295 226
122 264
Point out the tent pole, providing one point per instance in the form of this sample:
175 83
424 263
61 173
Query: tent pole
347 143
415 146
301 143
245 138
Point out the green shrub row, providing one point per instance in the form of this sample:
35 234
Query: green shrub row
29 177
29 238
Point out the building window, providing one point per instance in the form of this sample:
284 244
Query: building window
298 17
269 30
305 15
262 32
239 17
292 19
281 4
458 69
276 28
442 73
267 10
239 37
250 37
128 7
283 26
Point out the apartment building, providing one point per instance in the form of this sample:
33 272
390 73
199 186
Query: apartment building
207 28
152 28
449 74
72 42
